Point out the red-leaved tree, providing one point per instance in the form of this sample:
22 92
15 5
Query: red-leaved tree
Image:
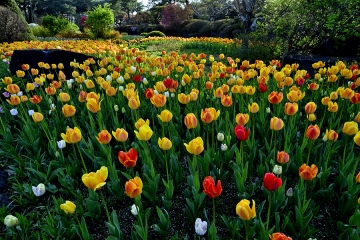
173 15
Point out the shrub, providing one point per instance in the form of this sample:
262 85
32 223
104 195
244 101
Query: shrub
41 31
12 28
156 34
302 28
55 24
100 21
194 26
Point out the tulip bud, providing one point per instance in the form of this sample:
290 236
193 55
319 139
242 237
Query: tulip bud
145 81
166 94
220 137
224 147
277 170
116 108
14 112
289 192
123 110
200 227
268 110
121 88
61 144
11 221
31 112
172 95
39 190
134 210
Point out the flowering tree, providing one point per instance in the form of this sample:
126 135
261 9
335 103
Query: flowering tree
173 15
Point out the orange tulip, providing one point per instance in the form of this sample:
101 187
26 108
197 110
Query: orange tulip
14 100
50 90
68 110
290 108
226 100
72 135
12 88
209 114
310 108
133 187
282 157
158 100
308 173
35 99
275 97
242 118
276 124
279 236
64 97
120 134
312 132
104 137
190 121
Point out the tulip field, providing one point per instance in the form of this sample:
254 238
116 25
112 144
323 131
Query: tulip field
139 145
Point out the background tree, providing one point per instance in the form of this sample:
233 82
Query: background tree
11 5
173 15
328 23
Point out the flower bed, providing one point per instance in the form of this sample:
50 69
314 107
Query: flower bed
142 146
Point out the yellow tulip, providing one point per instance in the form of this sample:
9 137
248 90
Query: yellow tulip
95 181
68 110
244 211
139 123
68 207
120 134
165 116
164 143
144 133
350 128
93 105
72 135
37 117
195 146
64 97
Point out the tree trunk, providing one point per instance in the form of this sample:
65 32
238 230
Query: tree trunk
11 5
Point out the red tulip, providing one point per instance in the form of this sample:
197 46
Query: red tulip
149 93
210 189
128 159
271 182
137 78
263 87
241 133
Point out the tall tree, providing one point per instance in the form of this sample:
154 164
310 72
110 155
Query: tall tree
11 4
129 6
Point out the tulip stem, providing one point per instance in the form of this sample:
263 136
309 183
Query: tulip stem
268 213
2 124
213 200
124 146
271 139
346 141
253 130
141 223
246 230
275 146
82 159
166 165
105 206
303 206
309 151
328 154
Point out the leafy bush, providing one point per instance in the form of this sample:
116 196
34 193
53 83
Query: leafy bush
156 34
55 24
41 31
100 21
302 28
194 26
12 28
